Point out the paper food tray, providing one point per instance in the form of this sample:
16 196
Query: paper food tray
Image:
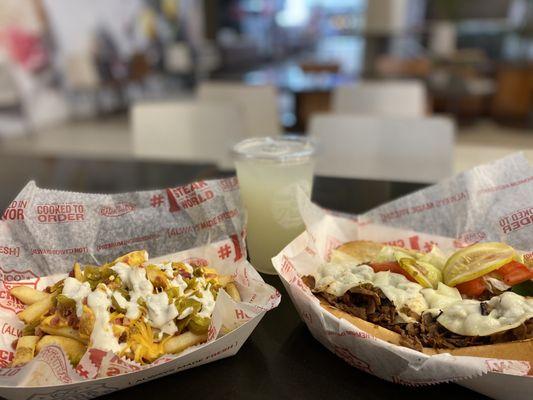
42 234
488 203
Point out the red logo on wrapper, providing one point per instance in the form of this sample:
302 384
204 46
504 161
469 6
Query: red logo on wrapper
331 244
517 220
211 333
157 200
5 358
55 358
508 366
286 266
351 358
10 279
188 196
468 238
60 213
10 251
15 211
8 329
224 251
119 366
241 314
116 210
229 184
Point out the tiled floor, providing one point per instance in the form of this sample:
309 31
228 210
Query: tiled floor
111 138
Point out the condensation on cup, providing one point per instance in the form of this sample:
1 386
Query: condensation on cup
270 172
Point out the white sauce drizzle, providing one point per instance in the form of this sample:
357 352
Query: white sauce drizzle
167 268
207 300
77 291
102 336
161 314
139 287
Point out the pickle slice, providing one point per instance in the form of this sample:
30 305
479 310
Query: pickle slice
424 273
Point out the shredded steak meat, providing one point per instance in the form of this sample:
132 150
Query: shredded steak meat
429 333
369 303
309 281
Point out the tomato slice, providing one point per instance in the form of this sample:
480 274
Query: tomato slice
391 266
473 288
514 273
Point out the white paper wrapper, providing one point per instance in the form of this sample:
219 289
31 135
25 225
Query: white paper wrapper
490 202
46 231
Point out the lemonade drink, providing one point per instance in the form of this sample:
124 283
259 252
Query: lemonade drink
270 173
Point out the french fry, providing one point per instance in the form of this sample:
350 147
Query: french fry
78 274
118 330
74 338
61 330
74 349
176 344
27 294
36 310
25 350
134 258
232 290
86 322
224 279
157 277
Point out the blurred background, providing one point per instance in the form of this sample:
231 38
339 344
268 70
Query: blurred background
181 81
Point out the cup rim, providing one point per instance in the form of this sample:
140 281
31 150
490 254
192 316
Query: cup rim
307 150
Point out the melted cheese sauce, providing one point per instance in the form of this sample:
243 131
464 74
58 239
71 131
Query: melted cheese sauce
508 311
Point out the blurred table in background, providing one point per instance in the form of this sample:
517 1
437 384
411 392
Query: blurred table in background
122 175
309 85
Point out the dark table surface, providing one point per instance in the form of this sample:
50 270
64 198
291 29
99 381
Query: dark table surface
280 360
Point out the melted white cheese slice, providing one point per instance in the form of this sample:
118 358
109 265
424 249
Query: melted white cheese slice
337 278
508 311
440 298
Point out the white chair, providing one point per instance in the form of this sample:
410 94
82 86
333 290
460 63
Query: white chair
388 98
187 131
14 115
257 104
399 149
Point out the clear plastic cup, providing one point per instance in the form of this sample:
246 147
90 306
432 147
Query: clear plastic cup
270 171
